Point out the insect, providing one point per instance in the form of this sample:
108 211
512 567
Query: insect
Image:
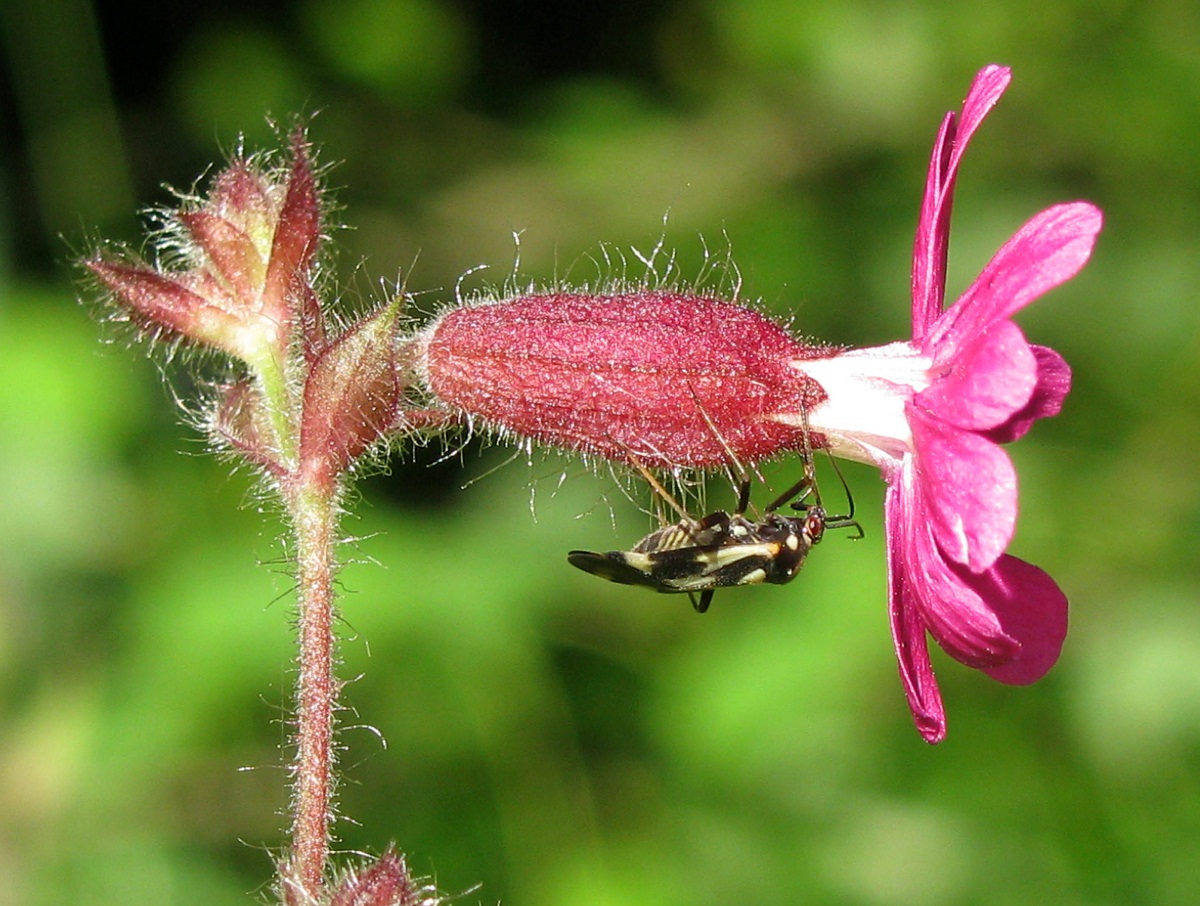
722 549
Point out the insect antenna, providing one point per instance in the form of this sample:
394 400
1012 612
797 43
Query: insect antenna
810 475
847 520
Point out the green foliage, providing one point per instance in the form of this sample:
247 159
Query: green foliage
559 739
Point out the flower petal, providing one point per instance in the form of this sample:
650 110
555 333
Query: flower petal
1053 385
957 615
990 83
1032 609
968 487
933 228
1049 249
908 628
989 380
932 242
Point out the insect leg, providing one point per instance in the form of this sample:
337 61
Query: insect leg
658 488
735 464
801 489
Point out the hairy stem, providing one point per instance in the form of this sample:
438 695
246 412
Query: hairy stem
314 520
272 380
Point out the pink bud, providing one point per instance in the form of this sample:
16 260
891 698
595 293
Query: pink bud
351 396
239 277
166 305
242 420
675 379
386 882
287 287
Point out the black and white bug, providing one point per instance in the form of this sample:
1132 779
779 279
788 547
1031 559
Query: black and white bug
721 550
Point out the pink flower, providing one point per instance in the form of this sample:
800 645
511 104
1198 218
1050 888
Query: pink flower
930 412
674 380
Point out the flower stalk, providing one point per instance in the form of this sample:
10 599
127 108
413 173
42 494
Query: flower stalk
304 401
314 521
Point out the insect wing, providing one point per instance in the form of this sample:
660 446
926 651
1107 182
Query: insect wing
665 560
722 566
712 530
622 567
678 570
747 553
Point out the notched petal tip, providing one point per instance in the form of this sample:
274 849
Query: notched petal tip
932 729
1033 610
1046 401
933 229
986 89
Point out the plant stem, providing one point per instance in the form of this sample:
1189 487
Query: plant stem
314 521
272 380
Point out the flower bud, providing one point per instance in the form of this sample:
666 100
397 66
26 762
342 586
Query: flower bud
386 882
241 420
239 273
351 395
672 378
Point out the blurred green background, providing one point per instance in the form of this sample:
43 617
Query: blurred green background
514 723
